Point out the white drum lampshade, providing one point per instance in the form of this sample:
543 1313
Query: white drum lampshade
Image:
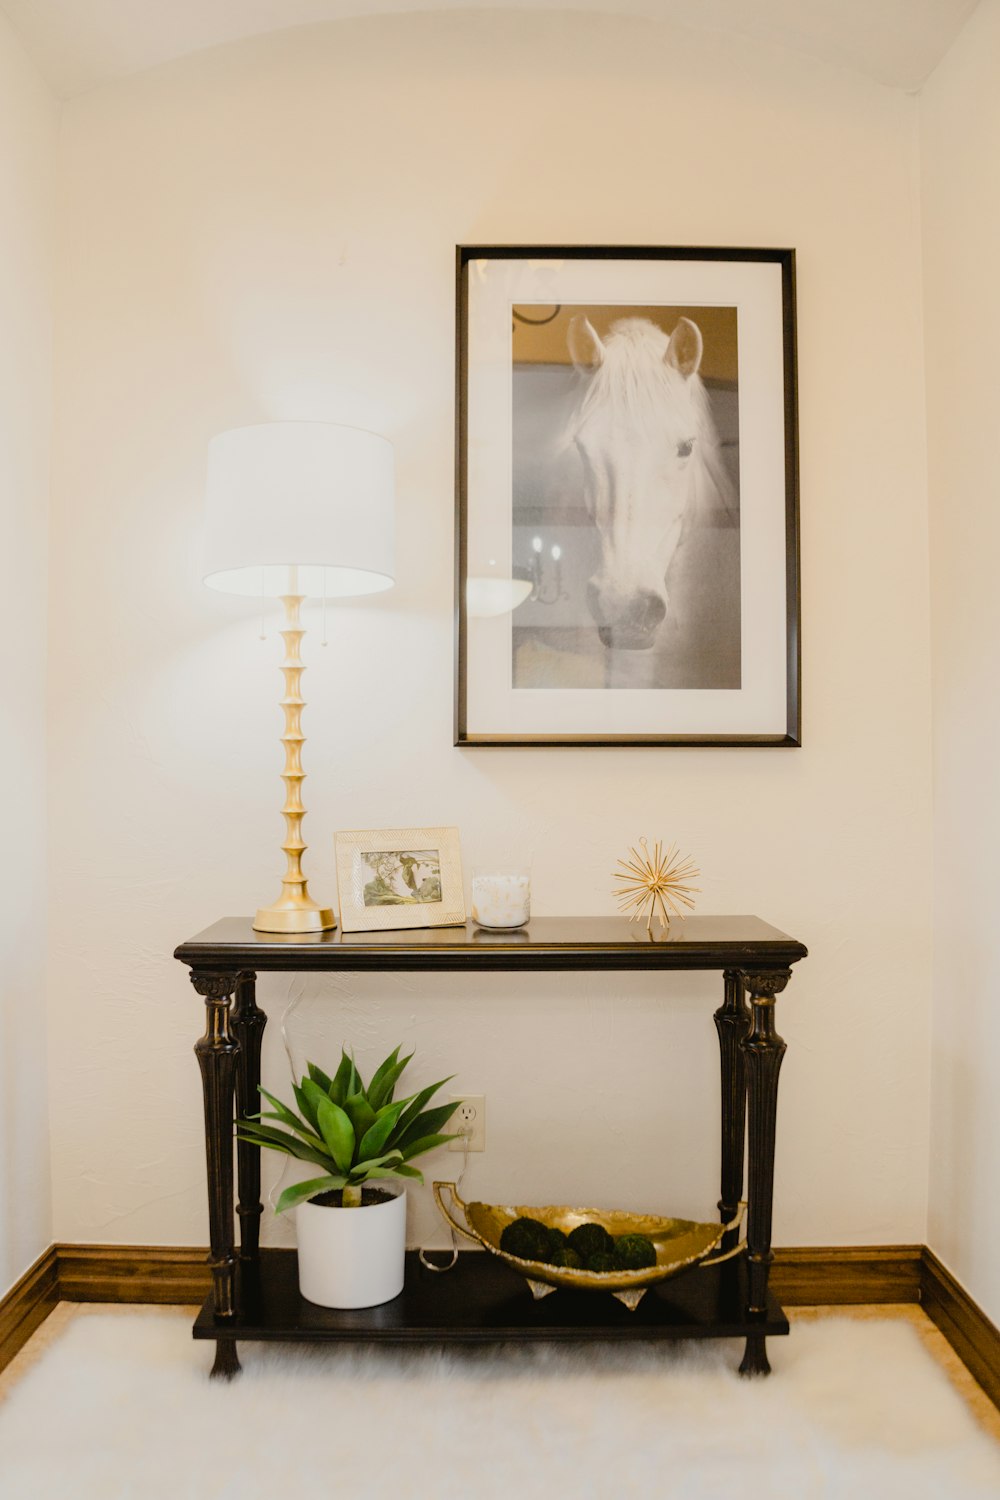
293 510
310 495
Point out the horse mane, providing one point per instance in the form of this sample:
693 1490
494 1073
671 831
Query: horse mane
711 467
635 379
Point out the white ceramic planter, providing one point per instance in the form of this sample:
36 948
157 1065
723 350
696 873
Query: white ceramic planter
353 1257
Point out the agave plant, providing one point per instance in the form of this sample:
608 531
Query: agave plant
354 1133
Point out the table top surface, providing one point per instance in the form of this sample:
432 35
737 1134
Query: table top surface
710 942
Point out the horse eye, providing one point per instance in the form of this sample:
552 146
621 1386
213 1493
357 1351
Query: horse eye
684 449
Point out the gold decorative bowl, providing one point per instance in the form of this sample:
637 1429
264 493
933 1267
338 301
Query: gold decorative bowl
679 1243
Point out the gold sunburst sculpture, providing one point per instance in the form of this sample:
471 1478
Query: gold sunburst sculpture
655 881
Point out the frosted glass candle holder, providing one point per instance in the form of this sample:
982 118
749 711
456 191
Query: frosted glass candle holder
501 896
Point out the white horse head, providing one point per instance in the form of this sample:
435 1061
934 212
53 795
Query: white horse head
644 433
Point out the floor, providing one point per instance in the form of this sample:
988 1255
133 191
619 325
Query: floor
982 1408
852 1413
937 1345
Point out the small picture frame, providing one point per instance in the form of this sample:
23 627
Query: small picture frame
393 878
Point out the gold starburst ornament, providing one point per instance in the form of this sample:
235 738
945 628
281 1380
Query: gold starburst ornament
655 885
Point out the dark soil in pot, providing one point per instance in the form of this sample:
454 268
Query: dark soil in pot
369 1197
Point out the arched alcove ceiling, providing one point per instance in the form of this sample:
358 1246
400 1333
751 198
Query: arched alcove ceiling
80 44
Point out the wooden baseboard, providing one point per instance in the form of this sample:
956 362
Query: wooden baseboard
968 1330
807 1276
824 1276
802 1277
133 1273
28 1304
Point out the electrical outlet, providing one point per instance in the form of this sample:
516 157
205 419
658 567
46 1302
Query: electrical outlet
469 1121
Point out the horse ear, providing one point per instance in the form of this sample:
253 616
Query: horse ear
585 348
685 348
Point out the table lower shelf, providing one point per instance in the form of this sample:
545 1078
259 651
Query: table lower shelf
483 1300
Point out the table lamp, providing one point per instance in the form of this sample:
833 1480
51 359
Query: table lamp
297 510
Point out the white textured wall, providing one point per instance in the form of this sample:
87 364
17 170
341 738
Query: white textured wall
268 231
960 136
27 162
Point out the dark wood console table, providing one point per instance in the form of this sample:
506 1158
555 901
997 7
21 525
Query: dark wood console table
255 1293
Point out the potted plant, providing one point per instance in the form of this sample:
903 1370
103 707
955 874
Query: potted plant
351 1221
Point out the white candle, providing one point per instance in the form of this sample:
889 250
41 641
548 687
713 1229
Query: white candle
501 900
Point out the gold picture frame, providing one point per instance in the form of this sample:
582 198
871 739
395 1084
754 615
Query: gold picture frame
393 878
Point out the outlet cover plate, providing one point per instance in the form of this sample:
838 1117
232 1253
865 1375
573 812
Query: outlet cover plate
470 1118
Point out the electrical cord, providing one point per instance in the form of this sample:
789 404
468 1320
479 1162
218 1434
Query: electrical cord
429 1265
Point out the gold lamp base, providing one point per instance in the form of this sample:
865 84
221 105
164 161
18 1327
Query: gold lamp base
296 911
306 918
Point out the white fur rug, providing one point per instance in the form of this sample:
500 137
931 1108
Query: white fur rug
120 1408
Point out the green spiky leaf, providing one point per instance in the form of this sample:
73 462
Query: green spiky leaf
378 1135
338 1133
300 1192
380 1072
288 1117
307 1108
383 1085
252 1140
345 1081
425 1143
361 1169
426 1123
417 1101
315 1096
303 1131
267 1135
360 1114
323 1080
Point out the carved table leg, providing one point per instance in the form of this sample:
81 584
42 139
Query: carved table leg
763 1050
732 1021
217 1051
248 1023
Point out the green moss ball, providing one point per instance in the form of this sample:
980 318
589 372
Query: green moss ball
566 1257
591 1239
557 1239
526 1238
633 1252
602 1261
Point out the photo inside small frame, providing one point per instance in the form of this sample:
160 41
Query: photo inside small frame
626 496
398 877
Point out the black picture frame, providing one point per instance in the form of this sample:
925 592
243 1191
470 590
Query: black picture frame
776 488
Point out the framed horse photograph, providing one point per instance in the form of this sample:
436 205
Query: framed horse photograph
627 516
